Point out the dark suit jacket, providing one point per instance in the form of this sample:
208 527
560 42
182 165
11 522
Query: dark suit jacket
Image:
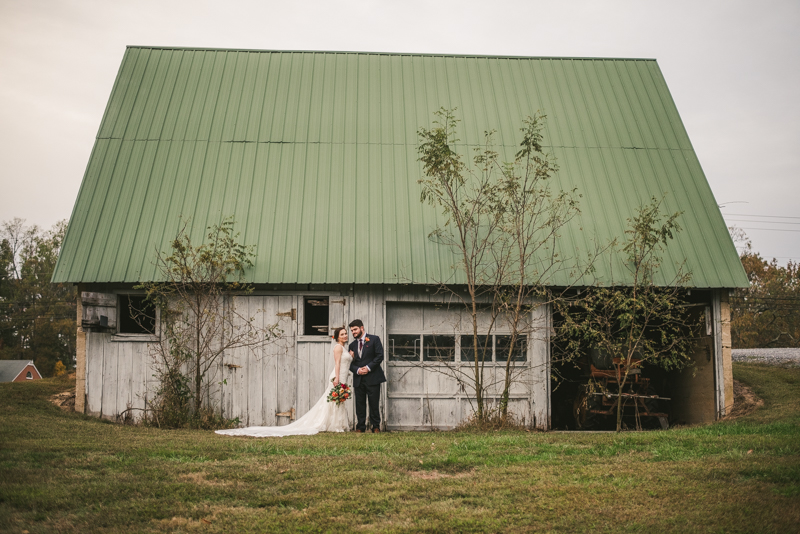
372 357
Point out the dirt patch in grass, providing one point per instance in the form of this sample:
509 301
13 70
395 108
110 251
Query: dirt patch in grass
436 475
745 401
201 480
64 400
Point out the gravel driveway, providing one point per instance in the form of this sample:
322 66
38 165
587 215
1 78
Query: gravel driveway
782 357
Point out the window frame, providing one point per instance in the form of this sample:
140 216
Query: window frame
317 335
140 337
458 350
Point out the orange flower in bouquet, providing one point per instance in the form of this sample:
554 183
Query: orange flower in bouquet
340 393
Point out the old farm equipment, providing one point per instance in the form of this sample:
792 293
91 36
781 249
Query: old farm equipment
596 402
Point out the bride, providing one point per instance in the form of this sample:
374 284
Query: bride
324 416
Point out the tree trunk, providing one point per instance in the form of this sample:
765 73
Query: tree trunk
478 365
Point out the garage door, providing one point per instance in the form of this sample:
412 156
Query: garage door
430 366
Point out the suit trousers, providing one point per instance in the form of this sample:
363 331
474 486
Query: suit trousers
372 394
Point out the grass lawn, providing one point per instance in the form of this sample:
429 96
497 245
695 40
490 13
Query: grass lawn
64 472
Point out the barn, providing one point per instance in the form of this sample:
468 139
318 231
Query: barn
315 156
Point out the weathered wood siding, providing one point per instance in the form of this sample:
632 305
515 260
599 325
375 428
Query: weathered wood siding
292 372
119 375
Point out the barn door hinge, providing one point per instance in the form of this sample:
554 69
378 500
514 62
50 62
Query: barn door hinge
292 314
343 302
289 413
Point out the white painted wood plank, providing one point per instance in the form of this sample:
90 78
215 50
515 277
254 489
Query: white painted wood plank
521 408
152 365
238 357
440 413
336 312
287 360
441 380
521 384
94 373
124 376
404 412
324 364
269 366
139 356
304 379
404 318
376 309
539 354
405 380
238 380
110 384
255 379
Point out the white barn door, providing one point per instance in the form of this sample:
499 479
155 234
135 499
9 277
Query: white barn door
281 381
261 384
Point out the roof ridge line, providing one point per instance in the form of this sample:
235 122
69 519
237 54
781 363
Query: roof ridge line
375 53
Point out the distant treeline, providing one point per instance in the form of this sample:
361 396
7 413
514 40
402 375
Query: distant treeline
37 318
767 314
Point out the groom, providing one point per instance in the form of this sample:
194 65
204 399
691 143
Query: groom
368 376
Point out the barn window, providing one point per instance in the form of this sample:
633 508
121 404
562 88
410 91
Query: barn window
315 316
439 348
29 375
484 349
519 353
403 348
136 315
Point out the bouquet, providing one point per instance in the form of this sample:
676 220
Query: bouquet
339 393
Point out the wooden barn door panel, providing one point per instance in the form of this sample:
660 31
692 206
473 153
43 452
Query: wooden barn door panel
269 362
255 310
236 366
286 359
260 383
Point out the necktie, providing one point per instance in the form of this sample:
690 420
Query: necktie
360 345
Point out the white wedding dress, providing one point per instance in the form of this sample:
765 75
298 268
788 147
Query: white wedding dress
324 416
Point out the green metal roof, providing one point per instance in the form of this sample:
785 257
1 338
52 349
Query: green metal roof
312 152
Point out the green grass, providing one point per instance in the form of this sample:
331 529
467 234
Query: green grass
64 472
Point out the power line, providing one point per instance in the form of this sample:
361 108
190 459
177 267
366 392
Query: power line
755 215
762 222
771 229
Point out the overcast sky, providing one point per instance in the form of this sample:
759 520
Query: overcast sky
733 68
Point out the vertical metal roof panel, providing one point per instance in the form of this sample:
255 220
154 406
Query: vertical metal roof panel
315 156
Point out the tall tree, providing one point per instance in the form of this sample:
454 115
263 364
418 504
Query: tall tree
766 314
38 318
467 196
532 213
502 222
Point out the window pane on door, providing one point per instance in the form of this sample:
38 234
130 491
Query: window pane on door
403 348
439 348
484 349
520 348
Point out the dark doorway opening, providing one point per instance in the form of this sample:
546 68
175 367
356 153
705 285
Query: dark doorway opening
575 377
